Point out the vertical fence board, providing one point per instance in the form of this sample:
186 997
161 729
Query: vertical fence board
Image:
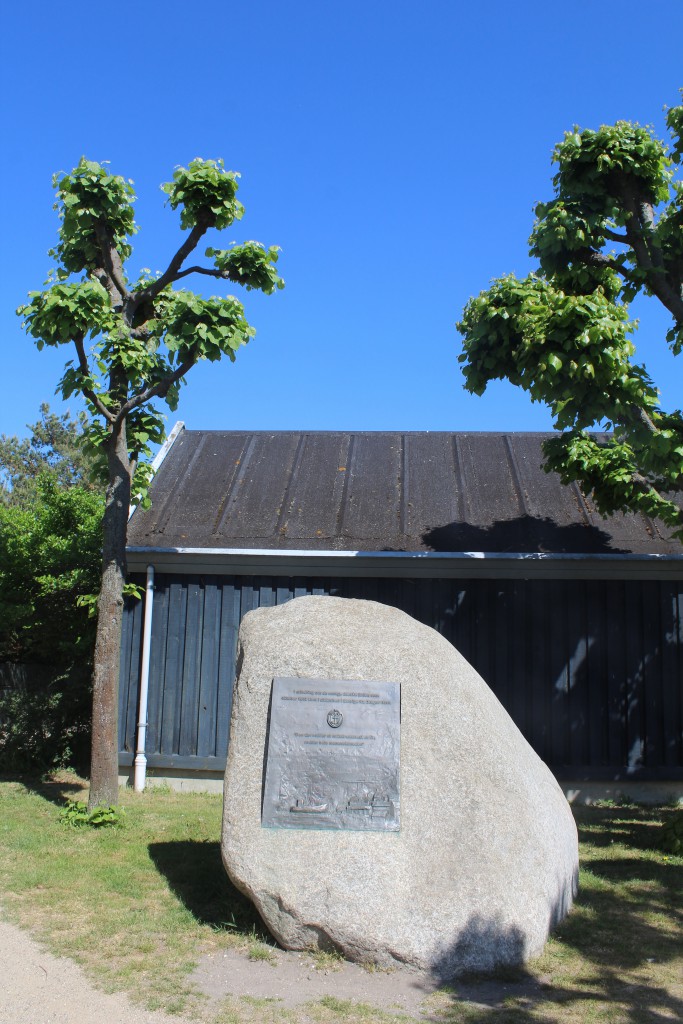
576 658
632 639
501 644
653 723
595 676
129 673
208 676
672 671
616 672
230 622
559 678
173 664
155 692
192 663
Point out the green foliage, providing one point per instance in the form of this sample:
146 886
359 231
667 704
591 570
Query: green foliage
205 190
674 122
77 815
45 720
563 333
68 311
55 449
205 328
251 265
595 167
671 835
88 198
50 554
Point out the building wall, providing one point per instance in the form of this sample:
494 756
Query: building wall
590 670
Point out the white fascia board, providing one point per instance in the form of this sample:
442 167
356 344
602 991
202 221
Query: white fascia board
405 564
167 445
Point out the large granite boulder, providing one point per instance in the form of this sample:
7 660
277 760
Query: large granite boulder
486 859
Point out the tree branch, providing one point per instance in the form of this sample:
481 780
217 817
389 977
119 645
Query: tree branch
203 270
614 236
112 260
640 234
598 259
106 281
647 486
158 390
646 421
141 333
204 222
91 395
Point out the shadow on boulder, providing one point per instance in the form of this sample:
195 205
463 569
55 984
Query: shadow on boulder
484 945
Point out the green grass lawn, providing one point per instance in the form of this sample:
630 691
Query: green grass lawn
137 905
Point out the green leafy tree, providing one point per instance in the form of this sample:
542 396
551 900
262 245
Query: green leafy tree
134 342
613 230
50 554
55 448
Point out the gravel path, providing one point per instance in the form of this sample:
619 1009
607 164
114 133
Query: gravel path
38 988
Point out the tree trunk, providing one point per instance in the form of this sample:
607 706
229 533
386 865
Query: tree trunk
104 767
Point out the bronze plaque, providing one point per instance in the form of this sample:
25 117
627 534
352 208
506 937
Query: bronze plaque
333 755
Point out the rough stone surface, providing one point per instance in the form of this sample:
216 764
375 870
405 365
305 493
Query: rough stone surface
486 861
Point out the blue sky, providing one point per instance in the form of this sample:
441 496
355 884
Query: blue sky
394 152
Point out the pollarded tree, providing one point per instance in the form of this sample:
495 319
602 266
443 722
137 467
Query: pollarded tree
134 342
613 230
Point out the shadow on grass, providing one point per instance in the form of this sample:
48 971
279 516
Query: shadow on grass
631 825
195 874
56 791
627 920
525 1000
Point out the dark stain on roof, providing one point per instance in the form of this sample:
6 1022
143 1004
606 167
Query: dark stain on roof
377 491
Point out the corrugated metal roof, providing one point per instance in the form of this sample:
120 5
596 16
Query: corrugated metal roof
383 491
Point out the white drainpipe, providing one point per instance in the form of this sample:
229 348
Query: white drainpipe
140 769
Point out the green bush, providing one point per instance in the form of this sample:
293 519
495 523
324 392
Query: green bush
50 555
671 835
45 723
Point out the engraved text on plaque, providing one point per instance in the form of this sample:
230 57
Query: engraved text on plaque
333 755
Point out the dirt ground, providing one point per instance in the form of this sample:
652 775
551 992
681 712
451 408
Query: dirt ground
39 988
294 979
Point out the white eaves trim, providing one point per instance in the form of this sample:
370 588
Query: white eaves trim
404 564
167 445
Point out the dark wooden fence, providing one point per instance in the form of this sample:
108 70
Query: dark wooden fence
590 670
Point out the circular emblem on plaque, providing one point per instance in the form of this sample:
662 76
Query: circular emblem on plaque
334 718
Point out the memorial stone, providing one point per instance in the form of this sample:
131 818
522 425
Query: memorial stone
481 859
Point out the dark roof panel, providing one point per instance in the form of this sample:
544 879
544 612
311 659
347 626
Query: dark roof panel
433 494
380 491
371 507
316 492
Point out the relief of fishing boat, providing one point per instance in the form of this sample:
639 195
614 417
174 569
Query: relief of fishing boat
305 808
